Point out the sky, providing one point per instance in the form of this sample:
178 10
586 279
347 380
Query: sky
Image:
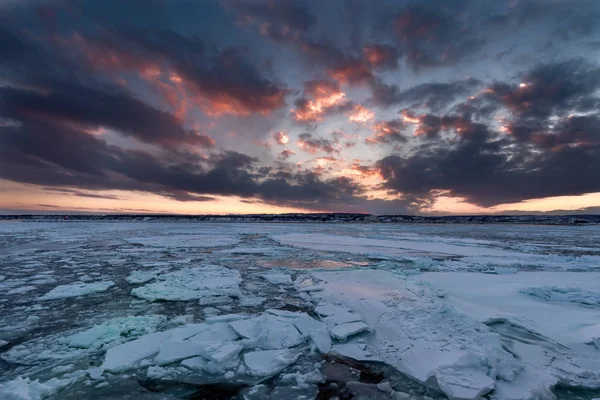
264 106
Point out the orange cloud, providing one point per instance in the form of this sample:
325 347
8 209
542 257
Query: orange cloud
361 114
381 56
281 138
353 72
326 96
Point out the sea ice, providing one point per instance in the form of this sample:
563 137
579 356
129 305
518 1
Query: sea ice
342 317
185 240
26 389
21 290
192 283
316 330
277 277
76 289
139 277
568 294
268 332
116 331
172 351
252 301
127 356
343 331
269 362
464 384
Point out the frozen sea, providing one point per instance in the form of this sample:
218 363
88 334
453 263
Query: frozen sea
176 310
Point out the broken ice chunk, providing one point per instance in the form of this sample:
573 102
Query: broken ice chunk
219 332
343 331
128 355
268 332
138 277
464 384
329 309
252 301
343 318
176 350
76 289
192 283
269 362
316 330
277 277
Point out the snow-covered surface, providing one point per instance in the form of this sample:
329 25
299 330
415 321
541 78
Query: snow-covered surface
506 312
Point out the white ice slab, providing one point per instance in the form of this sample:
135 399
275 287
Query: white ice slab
192 283
488 297
277 277
127 356
185 240
76 289
343 331
269 362
139 277
268 332
115 331
564 294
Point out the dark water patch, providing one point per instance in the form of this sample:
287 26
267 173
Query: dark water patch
189 391
563 392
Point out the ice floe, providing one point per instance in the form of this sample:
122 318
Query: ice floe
277 277
192 283
443 342
76 289
269 362
568 294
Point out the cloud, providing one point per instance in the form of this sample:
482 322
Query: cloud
550 89
288 14
42 154
434 95
64 103
281 138
386 132
320 98
487 169
313 145
381 56
431 35
285 154
226 81
360 114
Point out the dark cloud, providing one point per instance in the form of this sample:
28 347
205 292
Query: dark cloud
382 56
39 153
551 89
288 14
433 34
488 169
285 154
313 145
386 132
12 46
79 193
435 96
227 81
66 103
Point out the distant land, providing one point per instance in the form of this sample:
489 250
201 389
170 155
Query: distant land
582 219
